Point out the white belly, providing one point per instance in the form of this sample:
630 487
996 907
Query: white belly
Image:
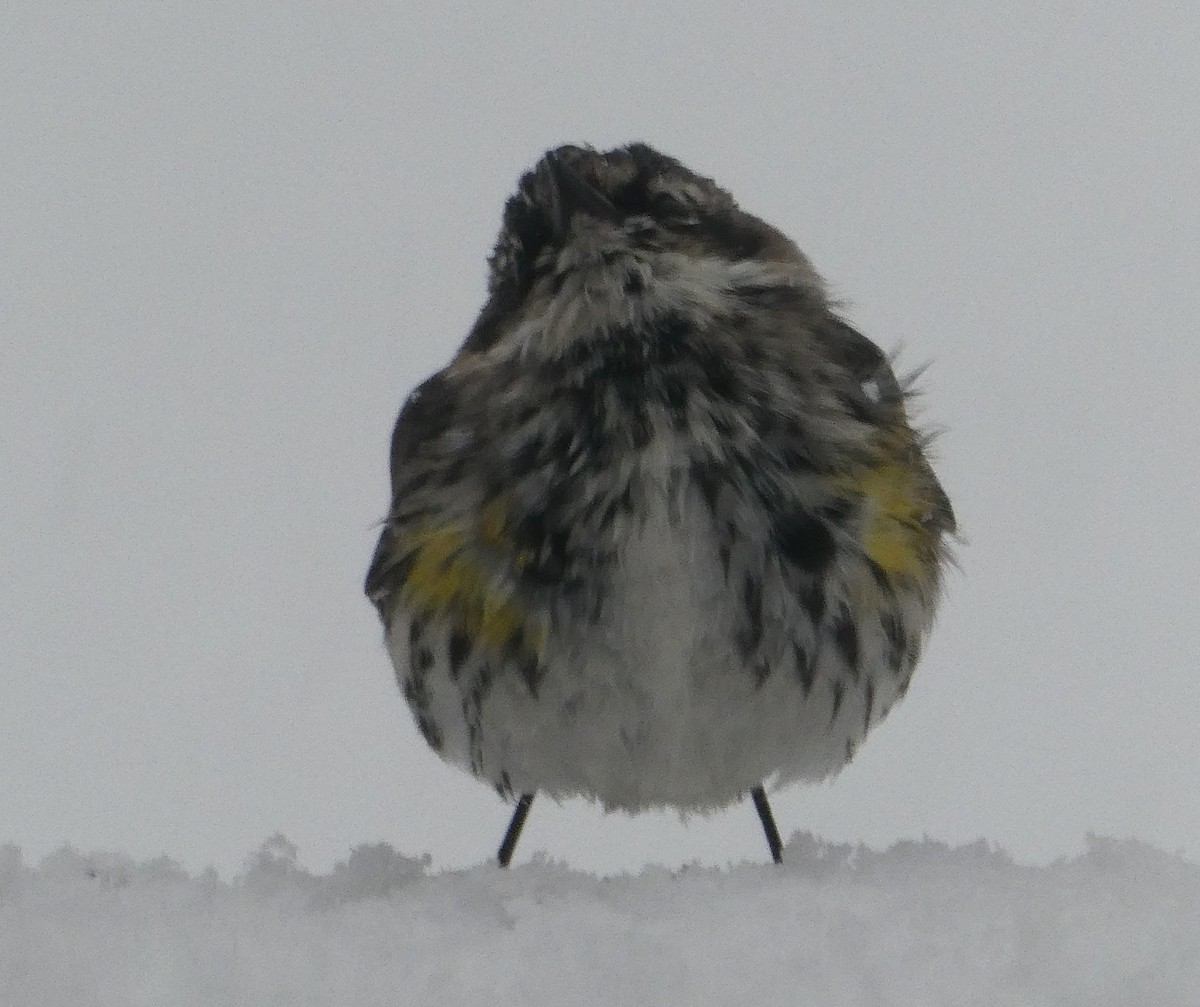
652 705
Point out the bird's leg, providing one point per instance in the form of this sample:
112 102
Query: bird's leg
768 823
514 829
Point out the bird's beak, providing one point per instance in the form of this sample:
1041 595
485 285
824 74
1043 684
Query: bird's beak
569 193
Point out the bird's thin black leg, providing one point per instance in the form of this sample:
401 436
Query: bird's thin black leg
768 823
514 829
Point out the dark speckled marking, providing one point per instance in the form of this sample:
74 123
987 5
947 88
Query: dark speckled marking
673 391
764 421
845 635
804 541
804 668
473 715
752 600
839 510
719 378
812 598
459 647
429 731
839 693
525 458
706 479
881 577
418 701
531 673
897 643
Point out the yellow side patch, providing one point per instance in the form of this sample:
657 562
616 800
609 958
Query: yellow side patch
444 581
897 504
894 537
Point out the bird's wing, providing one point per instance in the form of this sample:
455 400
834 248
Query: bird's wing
421 452
898 478
466 539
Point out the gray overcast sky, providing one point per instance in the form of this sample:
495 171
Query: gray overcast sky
232 238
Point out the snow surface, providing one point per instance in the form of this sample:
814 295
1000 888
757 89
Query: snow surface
918 924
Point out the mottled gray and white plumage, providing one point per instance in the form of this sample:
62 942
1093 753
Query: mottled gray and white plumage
661 530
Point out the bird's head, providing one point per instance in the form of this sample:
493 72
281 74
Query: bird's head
593 241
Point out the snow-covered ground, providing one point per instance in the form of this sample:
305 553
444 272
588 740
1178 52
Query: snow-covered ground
918 924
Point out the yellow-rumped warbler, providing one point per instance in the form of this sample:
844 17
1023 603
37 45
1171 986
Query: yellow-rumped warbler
661 532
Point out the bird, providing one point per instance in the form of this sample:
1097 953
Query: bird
663 533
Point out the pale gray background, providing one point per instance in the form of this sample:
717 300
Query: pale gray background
232 238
